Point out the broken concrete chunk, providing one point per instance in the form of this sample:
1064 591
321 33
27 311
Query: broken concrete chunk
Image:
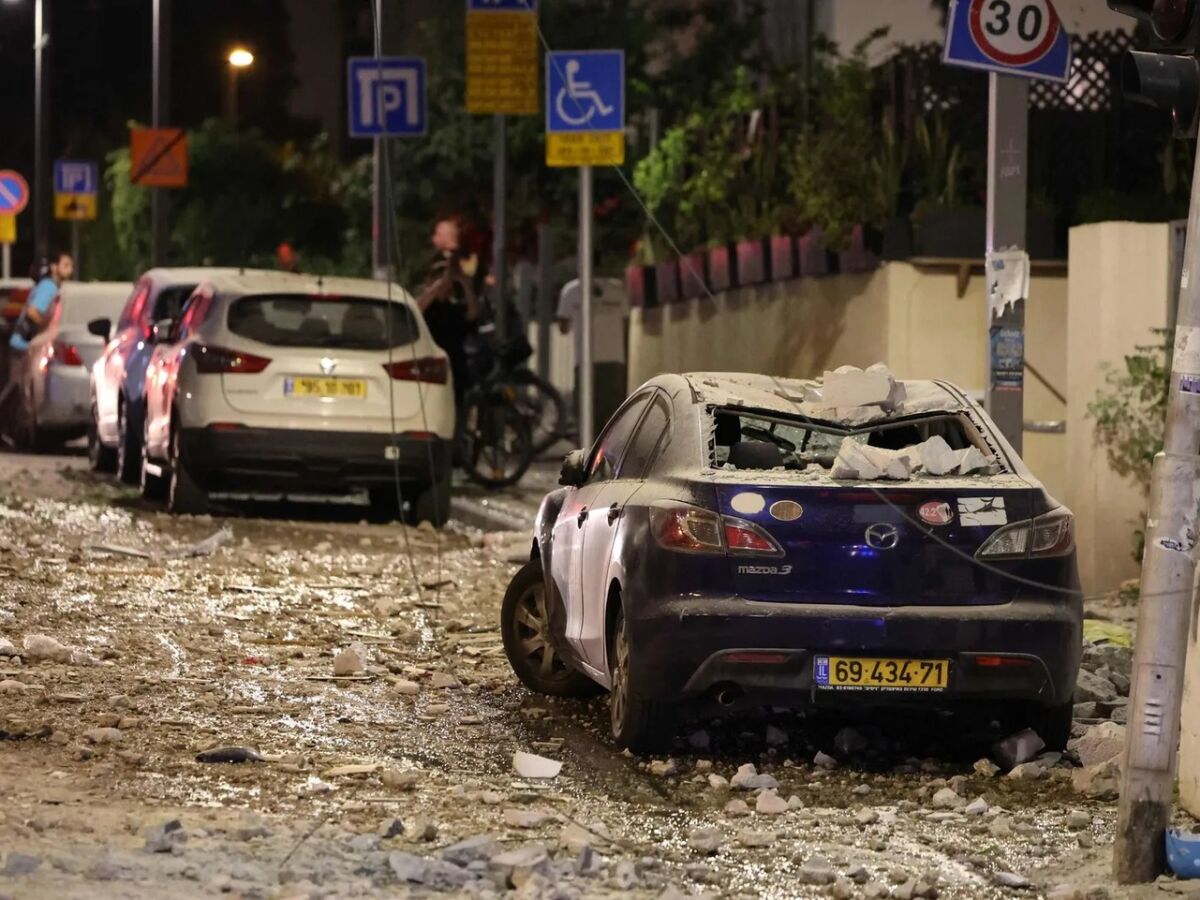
706 839
1099 782
1018 748
770 803
350 661
936 456
971 460
166 838
529 765
8 686
39 646
526 818
7 648
229 755
481 847
1100 743
850 386
861 462
102 736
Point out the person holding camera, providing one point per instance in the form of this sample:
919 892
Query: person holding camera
449 301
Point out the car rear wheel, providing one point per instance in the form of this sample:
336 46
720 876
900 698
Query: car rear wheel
430 503
525 628
1053 724
100 457
129 447
154 487
638 723
184 495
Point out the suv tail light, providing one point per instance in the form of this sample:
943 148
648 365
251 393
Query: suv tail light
212 360
64 354
690 529
1050 535
429 369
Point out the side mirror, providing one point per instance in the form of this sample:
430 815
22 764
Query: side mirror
101 328
161 332
573 469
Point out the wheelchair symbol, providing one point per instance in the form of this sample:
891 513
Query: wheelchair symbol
586 101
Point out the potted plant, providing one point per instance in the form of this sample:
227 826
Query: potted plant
722 267
945 226
894 240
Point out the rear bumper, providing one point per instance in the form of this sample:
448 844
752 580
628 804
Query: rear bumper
693 648
309 461
65 402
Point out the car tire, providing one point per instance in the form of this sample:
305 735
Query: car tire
100 457
525 629
184 495
154 487
129 447
385 504
431 503
1053 724
638 724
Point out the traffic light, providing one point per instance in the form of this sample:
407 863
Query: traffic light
1168 76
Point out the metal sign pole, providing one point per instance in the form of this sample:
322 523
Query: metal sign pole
6 261
75 250
1008 130
545 299
500 226
41 135
379 227
586 373
161 102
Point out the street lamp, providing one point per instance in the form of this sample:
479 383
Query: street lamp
239 58
41 170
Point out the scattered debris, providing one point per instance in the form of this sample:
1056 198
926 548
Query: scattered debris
1018 748
529 765
229 755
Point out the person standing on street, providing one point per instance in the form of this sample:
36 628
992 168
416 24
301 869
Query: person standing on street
610 307
450 302
34 317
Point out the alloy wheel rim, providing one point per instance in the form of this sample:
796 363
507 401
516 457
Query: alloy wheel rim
620 678
533 633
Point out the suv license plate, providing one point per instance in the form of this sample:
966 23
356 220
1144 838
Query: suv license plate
325 387
850 673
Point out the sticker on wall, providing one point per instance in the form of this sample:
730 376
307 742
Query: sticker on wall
936 512
786 510
1189 384
747 503
982 511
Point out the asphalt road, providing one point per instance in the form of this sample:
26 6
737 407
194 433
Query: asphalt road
156 655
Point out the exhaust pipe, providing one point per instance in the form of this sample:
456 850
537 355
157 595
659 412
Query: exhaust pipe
728 695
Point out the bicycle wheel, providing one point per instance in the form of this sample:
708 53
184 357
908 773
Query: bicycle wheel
498 445
542 405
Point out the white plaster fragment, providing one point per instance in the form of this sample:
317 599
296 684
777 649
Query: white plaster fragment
936 456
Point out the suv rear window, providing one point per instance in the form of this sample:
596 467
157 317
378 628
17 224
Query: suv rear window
299 320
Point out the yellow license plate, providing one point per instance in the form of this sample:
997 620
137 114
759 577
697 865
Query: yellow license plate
326 387
850 673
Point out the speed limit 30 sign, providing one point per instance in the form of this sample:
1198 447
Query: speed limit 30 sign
1015 37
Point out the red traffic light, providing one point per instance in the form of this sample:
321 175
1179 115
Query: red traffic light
1170 19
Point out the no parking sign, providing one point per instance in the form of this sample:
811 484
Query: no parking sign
1013 37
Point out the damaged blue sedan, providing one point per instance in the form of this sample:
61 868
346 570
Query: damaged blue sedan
738 540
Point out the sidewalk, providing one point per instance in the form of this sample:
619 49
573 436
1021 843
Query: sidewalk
510 509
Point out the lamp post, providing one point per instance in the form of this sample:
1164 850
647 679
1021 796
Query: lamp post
41 122
239 58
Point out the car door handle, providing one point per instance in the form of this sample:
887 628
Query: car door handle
614 513
583 514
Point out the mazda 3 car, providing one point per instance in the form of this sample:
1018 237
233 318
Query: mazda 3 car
738 540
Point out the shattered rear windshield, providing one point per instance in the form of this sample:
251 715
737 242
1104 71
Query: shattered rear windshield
938 444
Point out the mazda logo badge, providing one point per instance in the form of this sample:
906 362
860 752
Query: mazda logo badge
883 537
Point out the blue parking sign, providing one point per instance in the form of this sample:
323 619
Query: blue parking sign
386 96
76 177
585 91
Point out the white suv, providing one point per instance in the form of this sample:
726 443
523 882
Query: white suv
289 383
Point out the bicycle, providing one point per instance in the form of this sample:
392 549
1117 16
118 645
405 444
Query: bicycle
495 443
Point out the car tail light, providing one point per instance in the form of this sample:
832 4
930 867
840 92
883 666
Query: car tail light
690 529
64 354
747 539
1050 535
429 369
687 529
211 360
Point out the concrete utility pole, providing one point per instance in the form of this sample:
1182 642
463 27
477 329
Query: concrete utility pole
1008 138
1168 582
160 117
381 214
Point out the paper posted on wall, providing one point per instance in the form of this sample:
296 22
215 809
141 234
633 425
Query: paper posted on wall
1007 274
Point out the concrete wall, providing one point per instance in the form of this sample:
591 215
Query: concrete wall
1118 294
911 318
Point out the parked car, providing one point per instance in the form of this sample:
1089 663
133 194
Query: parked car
118 377
54 390
703 556
287 383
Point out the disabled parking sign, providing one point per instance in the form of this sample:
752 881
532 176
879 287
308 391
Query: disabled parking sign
585 108
1012 37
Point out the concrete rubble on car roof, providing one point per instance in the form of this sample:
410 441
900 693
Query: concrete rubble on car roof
808 398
